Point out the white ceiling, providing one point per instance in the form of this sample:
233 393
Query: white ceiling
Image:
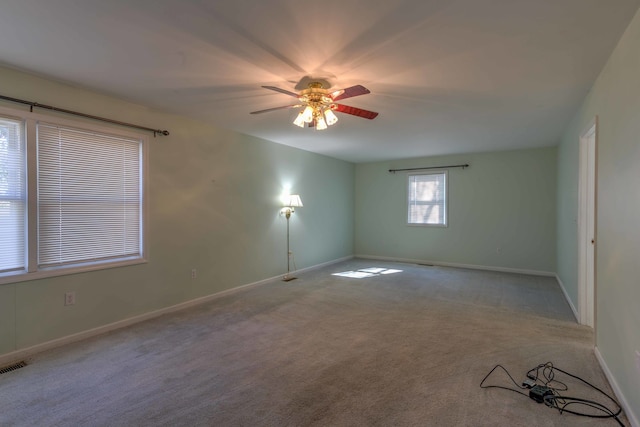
446 76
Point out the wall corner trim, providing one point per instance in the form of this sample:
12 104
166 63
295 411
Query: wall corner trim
566 296
628 410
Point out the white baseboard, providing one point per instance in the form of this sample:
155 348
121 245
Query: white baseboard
25 353
458 265
628 410
324 264
566 296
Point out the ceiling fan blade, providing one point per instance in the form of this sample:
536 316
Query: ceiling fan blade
356 111
350 92
275 108
277 89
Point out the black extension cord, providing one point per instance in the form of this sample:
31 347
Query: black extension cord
549 391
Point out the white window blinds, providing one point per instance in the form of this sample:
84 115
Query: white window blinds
12 195
89 196
427 199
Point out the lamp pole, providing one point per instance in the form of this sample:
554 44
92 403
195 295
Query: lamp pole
293 201
287 277
288 251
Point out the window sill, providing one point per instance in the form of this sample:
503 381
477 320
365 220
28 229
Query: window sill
22 276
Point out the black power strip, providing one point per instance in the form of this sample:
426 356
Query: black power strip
538 392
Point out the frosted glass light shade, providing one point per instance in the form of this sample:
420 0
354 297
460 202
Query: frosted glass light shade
307 114
299 121
320 123
330 117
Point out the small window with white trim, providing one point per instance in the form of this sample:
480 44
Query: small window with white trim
427 199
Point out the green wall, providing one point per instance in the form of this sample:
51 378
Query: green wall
615 100
214 203
502 212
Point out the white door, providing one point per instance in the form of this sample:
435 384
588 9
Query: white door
587 226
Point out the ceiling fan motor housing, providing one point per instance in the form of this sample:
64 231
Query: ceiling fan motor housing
316 94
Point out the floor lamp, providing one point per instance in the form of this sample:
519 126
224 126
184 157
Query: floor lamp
291 202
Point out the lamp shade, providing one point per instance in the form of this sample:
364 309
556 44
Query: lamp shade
320 123
307 114
299 121
294 201
330 118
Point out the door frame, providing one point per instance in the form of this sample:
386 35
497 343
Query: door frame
587 202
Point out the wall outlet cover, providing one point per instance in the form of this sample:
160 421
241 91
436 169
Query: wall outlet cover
69 298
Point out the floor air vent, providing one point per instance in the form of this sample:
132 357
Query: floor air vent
13 367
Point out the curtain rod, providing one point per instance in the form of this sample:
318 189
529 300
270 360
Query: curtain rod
88 116
466 165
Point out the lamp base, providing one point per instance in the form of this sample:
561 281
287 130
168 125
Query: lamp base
288 278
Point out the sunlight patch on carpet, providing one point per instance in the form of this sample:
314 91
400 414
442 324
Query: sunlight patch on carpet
367 272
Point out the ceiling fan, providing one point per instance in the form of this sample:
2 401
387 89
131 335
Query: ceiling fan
320 103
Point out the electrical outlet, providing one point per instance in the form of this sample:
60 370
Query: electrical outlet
194 273
638 360
69 298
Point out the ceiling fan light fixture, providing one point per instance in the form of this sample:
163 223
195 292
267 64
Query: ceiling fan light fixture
307 114
299 121
330 117
320 123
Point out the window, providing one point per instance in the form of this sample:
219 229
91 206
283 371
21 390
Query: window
85 204
13 195
427 199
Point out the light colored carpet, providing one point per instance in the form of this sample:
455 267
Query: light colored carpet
402 349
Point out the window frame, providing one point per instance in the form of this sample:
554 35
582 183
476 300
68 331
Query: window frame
19 121
443 172
31 270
